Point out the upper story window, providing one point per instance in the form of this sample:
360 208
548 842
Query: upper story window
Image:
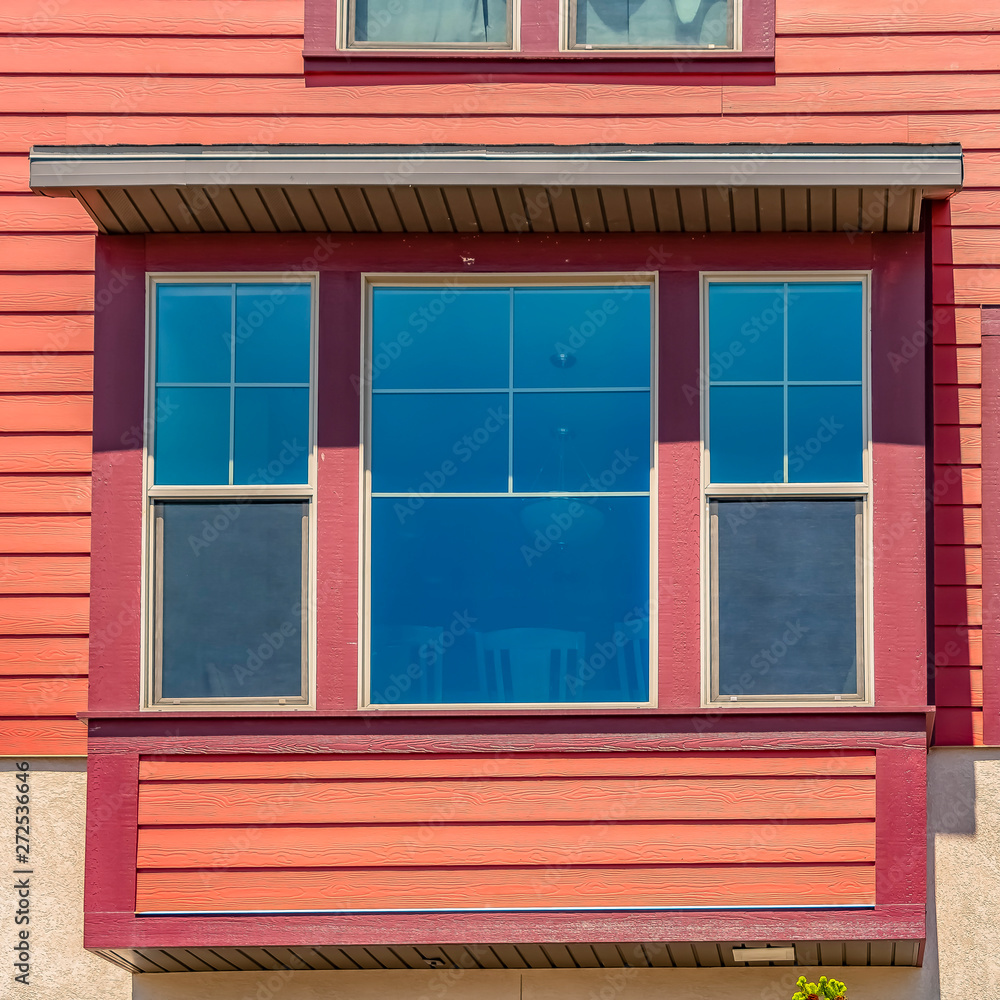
787 487
230 491
509 463
456 24
652 24
349 42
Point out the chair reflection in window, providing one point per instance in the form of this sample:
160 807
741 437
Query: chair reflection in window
410 659
533 665
632 660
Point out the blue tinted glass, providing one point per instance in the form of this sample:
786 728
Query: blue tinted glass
193 333
430 22
787 593
191 440
232 605
825 434
825 324
746 434
271 441
746 332
449 443
581 441
272 333
440 338
569 337
510 600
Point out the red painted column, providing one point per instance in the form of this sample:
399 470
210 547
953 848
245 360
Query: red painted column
991 525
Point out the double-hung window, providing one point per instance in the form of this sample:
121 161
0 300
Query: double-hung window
230 491
786 487
508 492
587 24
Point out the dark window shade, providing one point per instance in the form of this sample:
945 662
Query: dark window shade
786 579
430 22
229 599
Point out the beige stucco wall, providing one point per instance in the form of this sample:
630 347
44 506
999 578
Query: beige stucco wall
60 968
964 914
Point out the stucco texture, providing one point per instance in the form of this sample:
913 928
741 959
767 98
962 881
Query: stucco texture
60 968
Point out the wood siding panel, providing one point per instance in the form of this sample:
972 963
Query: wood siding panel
49 656
626 887
153 17
52 412
37 252
404 831
530 766
888 53
45 453
473 801
877 17
44 574
505 844
45 494
29 737
56 696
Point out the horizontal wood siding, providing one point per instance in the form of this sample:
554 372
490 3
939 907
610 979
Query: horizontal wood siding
566 831
107 72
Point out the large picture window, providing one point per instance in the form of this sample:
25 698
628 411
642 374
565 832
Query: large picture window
509 444
230 491
786 487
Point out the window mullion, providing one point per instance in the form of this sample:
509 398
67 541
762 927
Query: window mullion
232 383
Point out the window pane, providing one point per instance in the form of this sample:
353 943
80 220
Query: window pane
650 23
231 617
193 333
569 337
825 324
191 437
440 338
510 600
787 591
271 442
746 332
825 434
746 434
272 333
569 442
427 443
414 22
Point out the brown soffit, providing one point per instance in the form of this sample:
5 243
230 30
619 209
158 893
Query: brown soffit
679 188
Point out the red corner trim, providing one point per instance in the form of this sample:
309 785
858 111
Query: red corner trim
991 525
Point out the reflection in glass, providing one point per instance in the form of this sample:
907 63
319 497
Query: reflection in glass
509 609
746 434
786 575
193 332
581 337
191 439
272 333
688 24
229 596
271 439
431 22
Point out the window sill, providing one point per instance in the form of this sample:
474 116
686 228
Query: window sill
744 710
358 67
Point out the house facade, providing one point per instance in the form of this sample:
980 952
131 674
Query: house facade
493 497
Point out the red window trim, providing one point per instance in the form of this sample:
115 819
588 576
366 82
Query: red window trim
540 59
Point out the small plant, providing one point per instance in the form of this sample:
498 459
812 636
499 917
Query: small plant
825 989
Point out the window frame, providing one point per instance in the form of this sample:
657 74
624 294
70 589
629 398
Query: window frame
540 52
710 697
150 678
372 280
